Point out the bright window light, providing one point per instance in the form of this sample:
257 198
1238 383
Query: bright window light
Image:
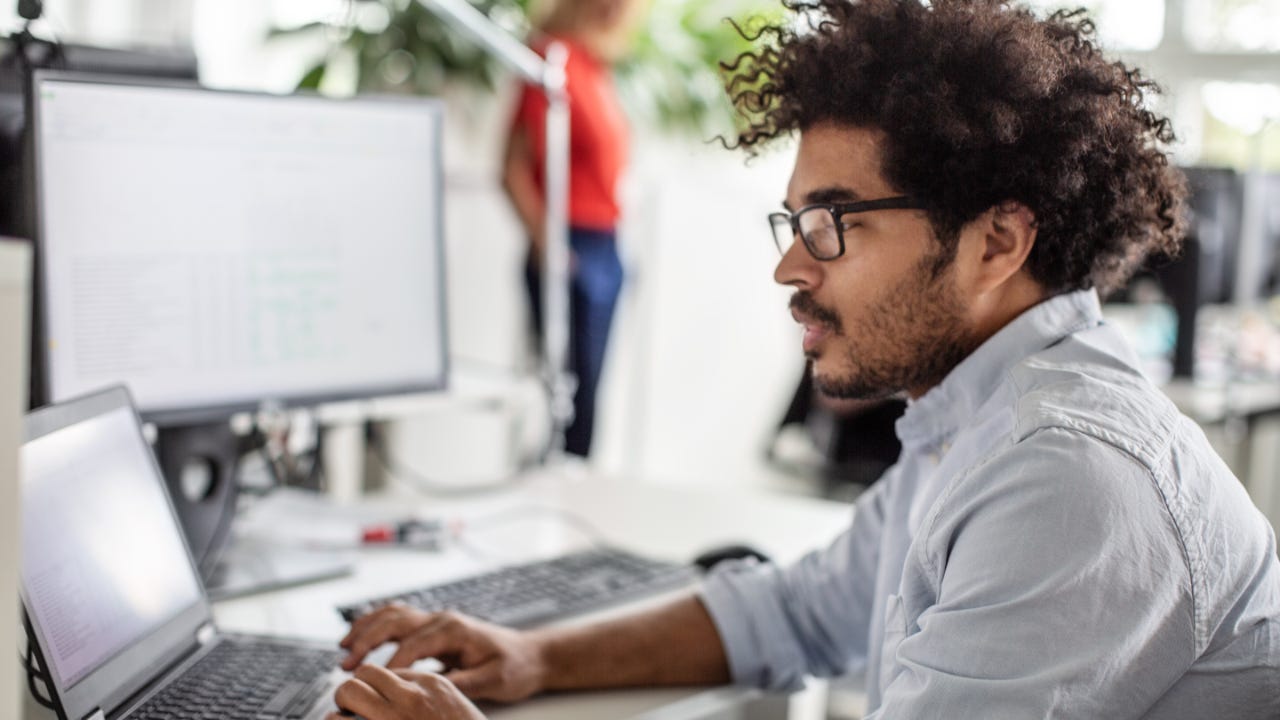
1246 107
1233 25
1122 24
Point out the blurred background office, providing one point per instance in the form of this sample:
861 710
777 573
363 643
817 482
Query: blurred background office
704 361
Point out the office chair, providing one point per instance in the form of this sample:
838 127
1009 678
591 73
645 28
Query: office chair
855 440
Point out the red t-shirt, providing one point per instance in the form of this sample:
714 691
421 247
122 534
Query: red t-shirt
597 136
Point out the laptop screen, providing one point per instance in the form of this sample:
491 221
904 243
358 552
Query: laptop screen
103 560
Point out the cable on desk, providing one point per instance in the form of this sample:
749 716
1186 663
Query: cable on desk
490 367
422 482
542 453
516 514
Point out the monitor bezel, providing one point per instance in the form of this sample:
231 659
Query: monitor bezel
197 414
131 669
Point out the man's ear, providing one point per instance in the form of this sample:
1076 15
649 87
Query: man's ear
1008 233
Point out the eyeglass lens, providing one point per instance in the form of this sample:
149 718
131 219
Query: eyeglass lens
817 226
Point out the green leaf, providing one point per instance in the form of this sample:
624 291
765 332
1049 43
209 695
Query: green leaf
314 76
672 79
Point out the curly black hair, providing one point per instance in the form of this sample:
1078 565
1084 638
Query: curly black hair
981 103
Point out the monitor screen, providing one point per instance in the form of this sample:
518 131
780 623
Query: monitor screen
103 560
217 250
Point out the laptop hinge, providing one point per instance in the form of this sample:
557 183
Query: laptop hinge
205 634
96 715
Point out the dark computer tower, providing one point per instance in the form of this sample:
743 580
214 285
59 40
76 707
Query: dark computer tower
1204 272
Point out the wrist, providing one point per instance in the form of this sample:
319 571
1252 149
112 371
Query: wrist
542 650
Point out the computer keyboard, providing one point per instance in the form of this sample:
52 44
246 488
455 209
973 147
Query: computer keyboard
245 680
546 590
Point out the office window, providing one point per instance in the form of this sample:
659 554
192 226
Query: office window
1233 25
1122 24
1241 125
230 37
108 22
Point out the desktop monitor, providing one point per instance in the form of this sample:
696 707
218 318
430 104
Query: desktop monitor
216 251
220 252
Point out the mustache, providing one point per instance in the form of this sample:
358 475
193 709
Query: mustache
803 303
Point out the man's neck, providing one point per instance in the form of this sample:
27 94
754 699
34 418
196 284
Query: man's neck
992 312
1002 308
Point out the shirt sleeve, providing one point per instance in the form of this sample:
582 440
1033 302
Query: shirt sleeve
1062 591
812 618
530 112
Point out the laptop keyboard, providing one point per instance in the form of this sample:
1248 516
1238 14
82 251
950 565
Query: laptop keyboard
538 592
245 680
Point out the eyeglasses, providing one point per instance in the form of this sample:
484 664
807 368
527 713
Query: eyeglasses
821 227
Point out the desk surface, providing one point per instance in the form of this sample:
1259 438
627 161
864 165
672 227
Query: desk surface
529 522
1209 405
542 517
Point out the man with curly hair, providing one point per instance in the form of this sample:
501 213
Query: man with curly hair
1056 540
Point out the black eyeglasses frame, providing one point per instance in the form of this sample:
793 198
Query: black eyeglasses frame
837 210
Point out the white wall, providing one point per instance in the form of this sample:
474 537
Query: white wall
14 269
706 355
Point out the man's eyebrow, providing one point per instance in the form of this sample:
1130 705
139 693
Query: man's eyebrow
833 194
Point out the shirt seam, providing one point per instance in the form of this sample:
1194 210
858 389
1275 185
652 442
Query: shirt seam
952 486
1179 531
941 502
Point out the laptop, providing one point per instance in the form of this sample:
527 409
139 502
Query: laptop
121 624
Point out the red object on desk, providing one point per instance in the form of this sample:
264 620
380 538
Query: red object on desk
377 534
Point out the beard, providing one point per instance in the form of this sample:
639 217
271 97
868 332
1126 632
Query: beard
912 337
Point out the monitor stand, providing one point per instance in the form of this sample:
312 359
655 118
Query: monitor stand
251 566
200 464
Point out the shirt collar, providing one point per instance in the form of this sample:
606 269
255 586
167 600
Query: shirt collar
931 420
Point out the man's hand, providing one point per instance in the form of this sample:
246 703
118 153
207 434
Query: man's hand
484 661
377 693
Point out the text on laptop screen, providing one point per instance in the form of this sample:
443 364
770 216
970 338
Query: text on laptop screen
102 558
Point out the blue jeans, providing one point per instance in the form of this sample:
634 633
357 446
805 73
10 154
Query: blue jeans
595 283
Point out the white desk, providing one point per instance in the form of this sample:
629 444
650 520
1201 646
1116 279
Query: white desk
1242 421
1214 405
662 521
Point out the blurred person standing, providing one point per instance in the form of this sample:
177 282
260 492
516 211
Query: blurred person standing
595 33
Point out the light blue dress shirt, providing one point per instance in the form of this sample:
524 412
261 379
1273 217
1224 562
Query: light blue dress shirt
1056 540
